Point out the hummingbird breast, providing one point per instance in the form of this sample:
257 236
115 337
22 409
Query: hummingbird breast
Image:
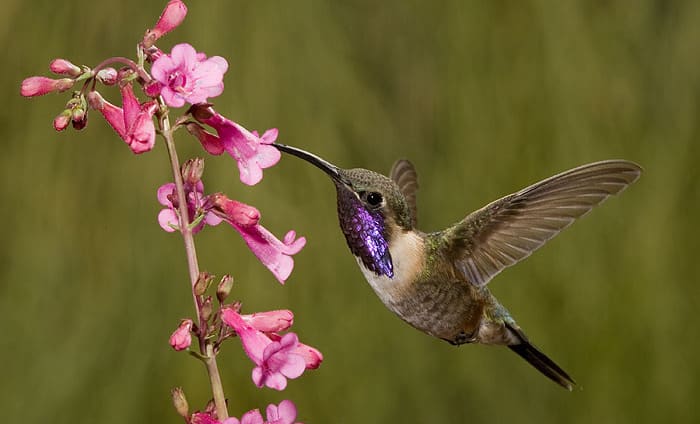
425 296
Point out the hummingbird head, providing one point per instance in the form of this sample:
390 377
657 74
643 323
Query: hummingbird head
371 210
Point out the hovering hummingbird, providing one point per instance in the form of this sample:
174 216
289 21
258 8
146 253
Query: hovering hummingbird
437 282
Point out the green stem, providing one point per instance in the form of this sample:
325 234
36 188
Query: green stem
205 346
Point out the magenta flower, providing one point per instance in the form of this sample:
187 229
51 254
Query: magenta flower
172 16
181 337
188 76
312 356
252 152
275 361
285 413
133 122
276 255
38 86
271 321
206 418
168 217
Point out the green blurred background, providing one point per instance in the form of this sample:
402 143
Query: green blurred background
484 97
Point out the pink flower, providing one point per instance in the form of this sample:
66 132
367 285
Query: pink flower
275 361
206 418
276 255
285 413
64 67
168 217
252 152
38 86
181 337
271 321
188 76
172 16
133 122
312 356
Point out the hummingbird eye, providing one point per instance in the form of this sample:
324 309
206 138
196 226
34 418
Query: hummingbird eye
374 199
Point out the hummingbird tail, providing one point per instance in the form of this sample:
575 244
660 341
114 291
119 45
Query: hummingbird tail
540 361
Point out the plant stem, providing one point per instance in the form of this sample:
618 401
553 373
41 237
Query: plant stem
205 346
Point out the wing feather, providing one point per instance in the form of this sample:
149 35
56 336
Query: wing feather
508 230
404 174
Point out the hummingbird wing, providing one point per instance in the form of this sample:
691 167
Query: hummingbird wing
404 174
508 230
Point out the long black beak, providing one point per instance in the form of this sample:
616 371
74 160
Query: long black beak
325 166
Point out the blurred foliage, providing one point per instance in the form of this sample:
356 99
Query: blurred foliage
484 97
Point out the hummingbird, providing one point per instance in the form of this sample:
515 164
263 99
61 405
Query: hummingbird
438 282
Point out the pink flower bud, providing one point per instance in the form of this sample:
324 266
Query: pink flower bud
64 67
61 121
38 86
152 88
181 337
270 321
107 76
172 16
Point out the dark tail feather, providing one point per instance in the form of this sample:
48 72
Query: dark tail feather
540 361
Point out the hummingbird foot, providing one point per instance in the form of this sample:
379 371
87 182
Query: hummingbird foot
462 338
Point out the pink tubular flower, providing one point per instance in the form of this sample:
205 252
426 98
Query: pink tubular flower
181 337
284 413
271 321
312 356
172 16
133 122
252 152
206 418
188 76
274 254
168 217
38 86
275 361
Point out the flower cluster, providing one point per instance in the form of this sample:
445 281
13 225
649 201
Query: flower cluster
150 87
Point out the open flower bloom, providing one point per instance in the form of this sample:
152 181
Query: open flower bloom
133 122
172 16
284 413
252 152
189 77
275 360
276 255
168 217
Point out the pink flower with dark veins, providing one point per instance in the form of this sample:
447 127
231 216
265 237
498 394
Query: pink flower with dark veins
251 152
188 76
133 122
276 255
168 217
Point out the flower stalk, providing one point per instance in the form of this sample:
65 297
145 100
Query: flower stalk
205 346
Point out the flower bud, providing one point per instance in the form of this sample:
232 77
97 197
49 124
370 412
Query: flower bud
64 67
172 16
38 86
201 111
181 338
79 118
206 309
203 280
192 170
61 121
107 76
211 143
180 402
224 288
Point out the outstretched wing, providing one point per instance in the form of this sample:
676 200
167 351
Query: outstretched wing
508 230
405 176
